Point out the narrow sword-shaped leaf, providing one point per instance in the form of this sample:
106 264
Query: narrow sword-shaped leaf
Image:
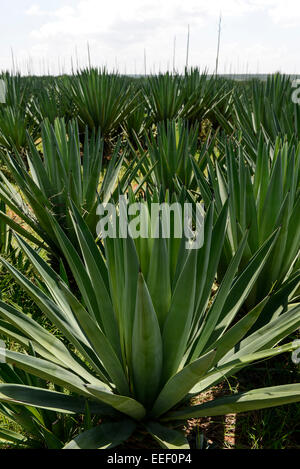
105 436
123 404
50 400
168 438
45 370
147 351
252 400
177 326
181 383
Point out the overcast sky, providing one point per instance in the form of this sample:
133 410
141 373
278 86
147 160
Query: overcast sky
257 35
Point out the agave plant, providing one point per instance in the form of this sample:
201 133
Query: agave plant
102 101
14 125
192 97
5 233
145 338
225 91
167 156
268 107
135 123
204 96
262 198
18 90
29 427
64 170
15 118
164 97
51 102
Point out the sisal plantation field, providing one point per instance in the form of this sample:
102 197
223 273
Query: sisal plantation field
150 269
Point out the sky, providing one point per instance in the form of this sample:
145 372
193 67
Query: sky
38 36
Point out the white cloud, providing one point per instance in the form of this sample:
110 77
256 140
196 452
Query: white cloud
119 30
35 10
285 13
94 17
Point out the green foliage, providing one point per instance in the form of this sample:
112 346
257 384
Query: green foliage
123 331
193 97
65 169
103 101
262 198
15 117
164 97
268 106
50 101
166 159
145 357
5 233
39 428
